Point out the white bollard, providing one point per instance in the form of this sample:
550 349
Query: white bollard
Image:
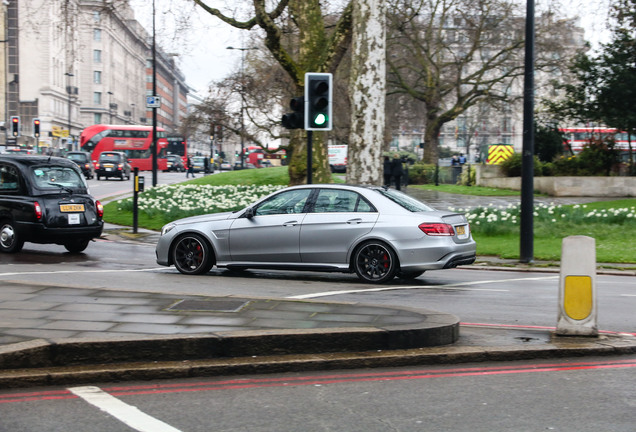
577 288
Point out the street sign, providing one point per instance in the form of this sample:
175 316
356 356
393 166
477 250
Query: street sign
153 102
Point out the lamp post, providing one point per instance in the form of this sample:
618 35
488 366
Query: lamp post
154 94
110 107
69 91
242 92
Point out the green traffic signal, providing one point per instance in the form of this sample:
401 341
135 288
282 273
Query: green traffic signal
320 119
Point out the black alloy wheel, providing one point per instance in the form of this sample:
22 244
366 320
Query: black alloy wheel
192 255
375 262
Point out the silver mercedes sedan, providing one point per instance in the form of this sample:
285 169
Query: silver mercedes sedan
377 233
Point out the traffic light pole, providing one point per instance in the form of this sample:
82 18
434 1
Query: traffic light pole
310 136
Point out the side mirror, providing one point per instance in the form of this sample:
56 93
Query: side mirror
249 213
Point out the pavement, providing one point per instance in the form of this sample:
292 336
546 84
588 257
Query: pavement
57 335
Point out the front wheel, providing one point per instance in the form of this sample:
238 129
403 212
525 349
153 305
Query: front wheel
192 255
76 246
10 241
374 261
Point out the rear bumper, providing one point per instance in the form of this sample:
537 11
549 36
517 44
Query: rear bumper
38 233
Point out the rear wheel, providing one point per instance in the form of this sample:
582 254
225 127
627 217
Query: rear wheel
192 255
10 241
374 261
76 246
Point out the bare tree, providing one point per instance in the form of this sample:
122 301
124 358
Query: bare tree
454 54
315 47
367 93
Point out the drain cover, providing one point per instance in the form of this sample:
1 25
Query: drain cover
208 305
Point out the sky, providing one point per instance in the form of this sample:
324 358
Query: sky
201 39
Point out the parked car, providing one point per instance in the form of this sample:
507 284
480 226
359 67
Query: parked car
377 233
202 164
46 200
246 165
83 160
226 166
113 164
175 163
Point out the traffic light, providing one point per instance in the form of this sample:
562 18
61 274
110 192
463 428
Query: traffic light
36 127
318 93
294 120
15 126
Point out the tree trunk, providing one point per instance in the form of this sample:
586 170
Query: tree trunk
368 90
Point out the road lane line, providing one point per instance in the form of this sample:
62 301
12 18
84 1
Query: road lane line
123 412
80 271
460 286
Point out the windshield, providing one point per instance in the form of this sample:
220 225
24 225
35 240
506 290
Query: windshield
57 177
110 157
409 203
77 157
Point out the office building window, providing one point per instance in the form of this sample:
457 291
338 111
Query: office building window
97 56
97 35
97 77
97 118
97 98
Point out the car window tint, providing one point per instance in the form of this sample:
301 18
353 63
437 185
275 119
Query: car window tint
109 157
9 180
285 202
49 177
340 201
409 203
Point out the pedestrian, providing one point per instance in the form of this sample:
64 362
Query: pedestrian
387 171
397 171
454 160
462 159
190 168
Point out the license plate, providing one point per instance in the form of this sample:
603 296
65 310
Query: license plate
462 231
66 208
109 169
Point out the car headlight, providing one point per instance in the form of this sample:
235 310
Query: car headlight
167 228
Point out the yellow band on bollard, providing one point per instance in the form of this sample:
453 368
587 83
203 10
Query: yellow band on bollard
577 297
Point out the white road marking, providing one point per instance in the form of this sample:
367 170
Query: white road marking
81 271
460 286
123 412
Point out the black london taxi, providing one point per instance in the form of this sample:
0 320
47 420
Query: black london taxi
46 200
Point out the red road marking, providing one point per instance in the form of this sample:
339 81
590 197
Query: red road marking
236 384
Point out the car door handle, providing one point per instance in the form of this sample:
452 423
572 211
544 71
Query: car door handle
354 221
291 223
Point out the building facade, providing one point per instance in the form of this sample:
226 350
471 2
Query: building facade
74 63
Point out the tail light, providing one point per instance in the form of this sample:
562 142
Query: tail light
437 229
120 167
100 209
38 210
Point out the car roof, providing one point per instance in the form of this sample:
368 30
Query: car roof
28 161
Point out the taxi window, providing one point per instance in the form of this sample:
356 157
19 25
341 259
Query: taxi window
9 179
56 177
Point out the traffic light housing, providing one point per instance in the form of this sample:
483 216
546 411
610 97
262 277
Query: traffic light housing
15 126
36 127
295 119
318 101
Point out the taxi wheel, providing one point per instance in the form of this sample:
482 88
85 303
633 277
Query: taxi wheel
76 246
192 255
10 241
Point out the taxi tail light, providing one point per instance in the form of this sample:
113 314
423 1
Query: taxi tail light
120 167
437 229
100 208
38 210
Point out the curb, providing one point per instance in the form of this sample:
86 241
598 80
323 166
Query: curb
255 364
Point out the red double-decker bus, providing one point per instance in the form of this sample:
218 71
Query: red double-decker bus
578 138
135 141
177 145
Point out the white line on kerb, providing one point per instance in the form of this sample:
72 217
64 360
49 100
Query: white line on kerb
127 414
460 286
